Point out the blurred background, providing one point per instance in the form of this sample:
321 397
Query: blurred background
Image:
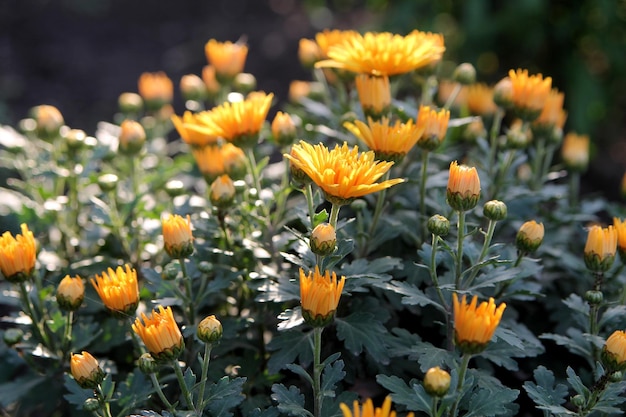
79 55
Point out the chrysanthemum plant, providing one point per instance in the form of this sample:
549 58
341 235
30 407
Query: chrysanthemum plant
397 224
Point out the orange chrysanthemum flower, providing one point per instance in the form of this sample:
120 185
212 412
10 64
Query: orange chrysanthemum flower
463 188
177 236
156 88
529 236
368 410
552 115
620 229
575 151
600 248
214 161
193 131
529 93
18 255
385 53
474 325
319 296
329 38
227 58
283 129
389 142
374 95
85 370
241 121
480 99
434 125
118 289
342 173
160 333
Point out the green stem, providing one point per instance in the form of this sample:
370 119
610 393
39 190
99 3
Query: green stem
490 229
308 193
39 331
317 371
159 391
493 141
442 299
503 286
103 401
67 337
502 174
281 196
422 220
380 203
459 386
256 181
459 249
540 152
334 215
189 292
593 315
433 407
205 375
453 95
183 385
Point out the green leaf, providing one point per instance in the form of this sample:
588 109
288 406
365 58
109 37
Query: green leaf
290 401
134 390
576 383
332 375
363 331
485 403
545 393
429 356
224 396
331 405
320 217
412 294
611 398
413 397
289 346
297 369
77 395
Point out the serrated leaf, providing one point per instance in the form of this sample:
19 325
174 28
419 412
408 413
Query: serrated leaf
289 346
429 356
412 294
290 401
576 383
76 396
413 397
333 374
545 393
224 396
486 403
363 331
134 390
297 369
320 217
290 318
611 398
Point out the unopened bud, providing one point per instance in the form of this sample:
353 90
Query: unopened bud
13 336
107 182
529 236
210 330
130 103
465 74
170 272
323 239
244 82
192 87
438 225
147 364
91 404
495 210
222 193
503 93
49 121
437 382
594 297
132 137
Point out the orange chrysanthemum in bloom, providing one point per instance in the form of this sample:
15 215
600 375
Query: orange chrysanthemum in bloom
241 121
319 296
156 88
620 229
85 370
600 248
193 131
177 236
389 142
368 410
552 115
342 173
474 325
434 125
529 93
214 161
227 58
480 99
160 333
385 53
575 151
118 289
374 94
614 351
463 188
17 255
329 38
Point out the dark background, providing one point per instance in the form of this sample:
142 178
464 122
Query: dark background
79 55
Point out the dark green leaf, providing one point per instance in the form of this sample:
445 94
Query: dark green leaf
412 294
576 383
297 369
363 330
332 375
224 396
76 396
413 397
289 346
429 356
290 401
320 217
485 403
545 393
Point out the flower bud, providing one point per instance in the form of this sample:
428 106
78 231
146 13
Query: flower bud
358 204
174 188
210 329
600 248
308 52
244 82
107 182
594 297
283 129
222 193
517 137
503 93
474 131
156 89
130 103
147 364
495 210
614 352
323 239
438 225
575 151
205 267
616 376
91 404
70 293
463 189
132 137
170 272
49 121
12 336
578 400
85 370
75 139
464 74
529 236
177 236
193 88
437 382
